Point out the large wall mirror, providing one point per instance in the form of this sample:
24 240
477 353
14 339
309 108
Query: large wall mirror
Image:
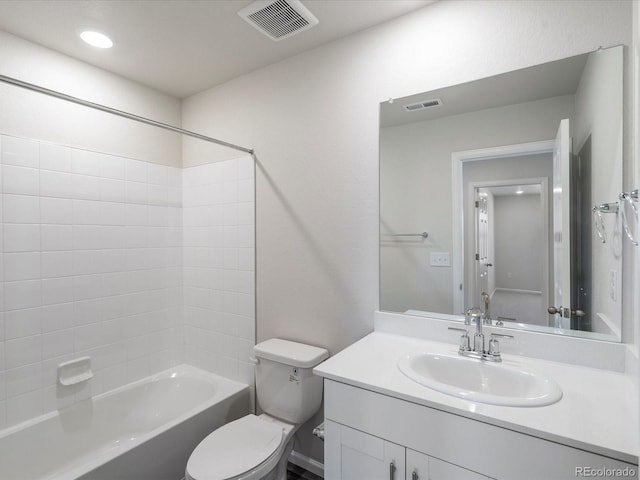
490 187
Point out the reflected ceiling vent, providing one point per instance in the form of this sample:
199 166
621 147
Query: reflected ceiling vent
412 107
278 19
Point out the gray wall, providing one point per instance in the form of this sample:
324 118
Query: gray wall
519 228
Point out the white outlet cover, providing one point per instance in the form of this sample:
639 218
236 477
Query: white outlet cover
440 259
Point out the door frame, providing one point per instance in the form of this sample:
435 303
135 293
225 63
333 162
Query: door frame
544 212
458 159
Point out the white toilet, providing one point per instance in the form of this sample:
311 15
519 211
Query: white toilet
257 447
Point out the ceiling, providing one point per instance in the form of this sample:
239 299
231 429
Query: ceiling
552 79
183 47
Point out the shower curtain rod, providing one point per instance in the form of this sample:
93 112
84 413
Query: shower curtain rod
120 113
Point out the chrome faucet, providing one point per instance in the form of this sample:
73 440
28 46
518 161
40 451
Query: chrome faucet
477 317
486 313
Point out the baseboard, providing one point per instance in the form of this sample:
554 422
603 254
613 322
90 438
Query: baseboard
307 463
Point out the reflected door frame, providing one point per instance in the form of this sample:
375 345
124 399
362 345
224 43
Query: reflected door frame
543 183
458 159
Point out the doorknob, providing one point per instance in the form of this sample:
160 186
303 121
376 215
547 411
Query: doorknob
565 312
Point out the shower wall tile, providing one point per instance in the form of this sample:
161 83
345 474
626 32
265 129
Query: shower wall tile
137 265
90 255
55 157
20 180
19 151
219 280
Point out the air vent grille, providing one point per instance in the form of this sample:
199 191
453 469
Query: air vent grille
436 102
278 19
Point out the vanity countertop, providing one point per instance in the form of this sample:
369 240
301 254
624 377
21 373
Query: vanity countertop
598 411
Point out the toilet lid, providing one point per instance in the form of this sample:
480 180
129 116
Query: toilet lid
234 449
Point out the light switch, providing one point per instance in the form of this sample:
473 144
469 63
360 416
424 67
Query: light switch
440 259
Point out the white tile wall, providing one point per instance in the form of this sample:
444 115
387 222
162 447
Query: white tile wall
91 262
219 276
138 265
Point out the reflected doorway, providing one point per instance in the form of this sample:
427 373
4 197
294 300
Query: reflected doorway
511 217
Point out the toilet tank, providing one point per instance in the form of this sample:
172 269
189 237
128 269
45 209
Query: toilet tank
286 388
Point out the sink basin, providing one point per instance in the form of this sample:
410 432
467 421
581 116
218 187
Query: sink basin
480 381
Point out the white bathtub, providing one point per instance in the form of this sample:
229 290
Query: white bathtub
144 430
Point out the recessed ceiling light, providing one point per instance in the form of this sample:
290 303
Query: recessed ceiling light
520 191
96 39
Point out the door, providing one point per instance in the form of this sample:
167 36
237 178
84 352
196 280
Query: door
417 466
353 455
561 227
581 270
483 263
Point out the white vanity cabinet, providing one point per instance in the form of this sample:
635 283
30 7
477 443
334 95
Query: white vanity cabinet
354 455
371 436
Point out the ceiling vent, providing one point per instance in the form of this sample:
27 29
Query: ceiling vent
278 19
412 107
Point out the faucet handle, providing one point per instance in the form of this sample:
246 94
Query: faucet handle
464 338
501 335
494 346
472 315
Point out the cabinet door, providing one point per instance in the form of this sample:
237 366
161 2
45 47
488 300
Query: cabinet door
422 467
353 455
417 466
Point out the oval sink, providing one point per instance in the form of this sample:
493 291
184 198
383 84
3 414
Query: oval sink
480 381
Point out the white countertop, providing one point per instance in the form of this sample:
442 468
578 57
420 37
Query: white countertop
598 411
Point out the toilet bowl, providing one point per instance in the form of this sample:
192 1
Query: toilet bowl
250 448
258 447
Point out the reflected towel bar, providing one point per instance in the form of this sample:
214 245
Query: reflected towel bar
423 234
598 221
629 199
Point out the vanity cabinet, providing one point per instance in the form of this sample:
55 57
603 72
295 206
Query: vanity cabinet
366 432
354 455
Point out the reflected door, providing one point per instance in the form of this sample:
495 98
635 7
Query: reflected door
561 226
482 244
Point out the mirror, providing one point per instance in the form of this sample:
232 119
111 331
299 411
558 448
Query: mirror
490 187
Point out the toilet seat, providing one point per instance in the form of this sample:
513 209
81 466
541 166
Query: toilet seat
235 449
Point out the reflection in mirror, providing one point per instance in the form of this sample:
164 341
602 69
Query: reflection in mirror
502 174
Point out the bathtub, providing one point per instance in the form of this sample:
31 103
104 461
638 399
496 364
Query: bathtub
145 430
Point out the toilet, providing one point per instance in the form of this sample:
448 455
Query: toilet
258 447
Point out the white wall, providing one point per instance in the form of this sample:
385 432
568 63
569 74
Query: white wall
34 115
599 114
631 311
313 120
